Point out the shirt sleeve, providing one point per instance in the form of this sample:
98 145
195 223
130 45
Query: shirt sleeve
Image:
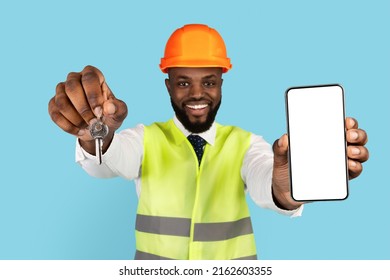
256 172
123 158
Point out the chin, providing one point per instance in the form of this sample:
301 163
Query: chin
197 126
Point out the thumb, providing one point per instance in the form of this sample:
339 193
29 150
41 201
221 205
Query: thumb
280 148
114 112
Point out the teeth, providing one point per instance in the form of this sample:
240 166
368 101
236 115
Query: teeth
197 107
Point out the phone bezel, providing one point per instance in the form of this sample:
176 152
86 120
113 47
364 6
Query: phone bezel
289 150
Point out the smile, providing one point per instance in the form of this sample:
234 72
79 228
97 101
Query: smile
197 106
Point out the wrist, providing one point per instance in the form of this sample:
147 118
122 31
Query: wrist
284 201
88 146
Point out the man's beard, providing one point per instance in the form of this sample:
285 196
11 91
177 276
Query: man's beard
197 127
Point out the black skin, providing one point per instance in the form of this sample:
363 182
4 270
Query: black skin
202 87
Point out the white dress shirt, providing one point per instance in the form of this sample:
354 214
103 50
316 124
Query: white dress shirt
124 158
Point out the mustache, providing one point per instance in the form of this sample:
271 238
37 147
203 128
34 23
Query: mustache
193 99
196 127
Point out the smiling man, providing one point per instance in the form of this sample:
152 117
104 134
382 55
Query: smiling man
191 173
195 96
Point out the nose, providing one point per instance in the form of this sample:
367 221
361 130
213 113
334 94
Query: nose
196 91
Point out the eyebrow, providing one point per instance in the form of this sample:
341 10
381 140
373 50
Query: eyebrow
203 78
210 76
183 77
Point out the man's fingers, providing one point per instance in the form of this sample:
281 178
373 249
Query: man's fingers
358 153
351 123
107 93
357 137
92 80
354 134
66 107
76 95
280 148
96 71
83 97
114 111
354 168
60 120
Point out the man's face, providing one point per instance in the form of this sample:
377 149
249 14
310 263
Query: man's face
195 95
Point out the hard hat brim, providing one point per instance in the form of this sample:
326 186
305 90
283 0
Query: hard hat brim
218 62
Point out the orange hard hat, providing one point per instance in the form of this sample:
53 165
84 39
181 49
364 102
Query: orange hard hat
195 45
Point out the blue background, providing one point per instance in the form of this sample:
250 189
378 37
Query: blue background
51 209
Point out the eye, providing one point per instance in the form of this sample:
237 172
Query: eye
209 84
183 84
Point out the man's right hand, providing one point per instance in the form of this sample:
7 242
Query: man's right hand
82 98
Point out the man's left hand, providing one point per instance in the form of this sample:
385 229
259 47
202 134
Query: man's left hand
356 151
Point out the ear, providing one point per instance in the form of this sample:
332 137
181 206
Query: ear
221 82
168 86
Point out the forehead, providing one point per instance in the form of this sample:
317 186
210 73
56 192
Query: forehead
194 73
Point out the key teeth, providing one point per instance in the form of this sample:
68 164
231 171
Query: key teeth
98 150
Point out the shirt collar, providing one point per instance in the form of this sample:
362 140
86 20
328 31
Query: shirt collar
208 135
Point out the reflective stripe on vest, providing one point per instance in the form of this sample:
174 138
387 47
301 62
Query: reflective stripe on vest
202 231
187 211
146 256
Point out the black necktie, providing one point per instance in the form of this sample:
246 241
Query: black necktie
198 144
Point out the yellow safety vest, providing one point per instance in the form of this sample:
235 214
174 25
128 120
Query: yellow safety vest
187 211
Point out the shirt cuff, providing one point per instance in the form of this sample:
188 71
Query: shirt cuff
270 203
82 154
262 193
89 162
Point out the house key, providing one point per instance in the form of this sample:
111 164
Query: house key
99 130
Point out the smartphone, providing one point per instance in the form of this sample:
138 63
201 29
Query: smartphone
318 163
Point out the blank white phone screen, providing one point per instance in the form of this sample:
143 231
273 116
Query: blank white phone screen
317 147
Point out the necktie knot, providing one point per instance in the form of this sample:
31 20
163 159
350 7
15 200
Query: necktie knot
197 143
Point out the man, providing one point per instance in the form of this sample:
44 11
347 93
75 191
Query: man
191 190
